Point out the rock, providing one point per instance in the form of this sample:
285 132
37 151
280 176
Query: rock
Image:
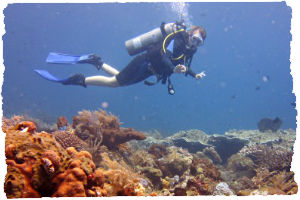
223 189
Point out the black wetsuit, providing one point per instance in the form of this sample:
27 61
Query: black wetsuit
157 62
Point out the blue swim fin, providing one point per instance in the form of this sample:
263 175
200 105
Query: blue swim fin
46 75
77 79
60 58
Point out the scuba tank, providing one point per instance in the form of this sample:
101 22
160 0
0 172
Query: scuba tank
140 43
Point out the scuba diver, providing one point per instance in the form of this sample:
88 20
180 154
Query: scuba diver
161 52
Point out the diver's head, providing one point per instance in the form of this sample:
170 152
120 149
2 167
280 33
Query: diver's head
197 35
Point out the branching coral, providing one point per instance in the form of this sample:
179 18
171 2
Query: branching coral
104 127
121 180
269 183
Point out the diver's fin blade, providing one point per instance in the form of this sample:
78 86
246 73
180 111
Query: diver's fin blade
60 58
46 75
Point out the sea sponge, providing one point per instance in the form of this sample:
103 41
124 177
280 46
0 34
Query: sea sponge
104 127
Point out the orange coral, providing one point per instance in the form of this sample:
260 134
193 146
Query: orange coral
104 127
26 126
70 183
12 188
73 181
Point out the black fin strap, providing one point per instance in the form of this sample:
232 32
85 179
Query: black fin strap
162 29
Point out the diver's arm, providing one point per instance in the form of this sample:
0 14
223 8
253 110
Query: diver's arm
169 67
196 76
191 72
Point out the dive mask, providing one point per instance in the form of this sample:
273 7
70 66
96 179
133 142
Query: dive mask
197 40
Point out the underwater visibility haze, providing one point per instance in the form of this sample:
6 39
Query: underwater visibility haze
245 57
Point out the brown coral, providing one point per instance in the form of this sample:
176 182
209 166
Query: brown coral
69 139
270 183
120 178
272 158
102 126
62 123
158 150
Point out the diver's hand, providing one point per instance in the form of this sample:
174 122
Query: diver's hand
200 75
179 69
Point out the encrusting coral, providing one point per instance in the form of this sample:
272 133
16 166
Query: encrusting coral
104 127
33 159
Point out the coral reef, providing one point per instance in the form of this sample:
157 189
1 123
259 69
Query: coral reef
95 157
282 138
62 123
73 181
270 183
266 124
69 139
32 159
158 150
263 156
226 146
211 153
104 127
193 140
176 162
223 189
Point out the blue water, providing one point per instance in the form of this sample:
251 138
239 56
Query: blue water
245 42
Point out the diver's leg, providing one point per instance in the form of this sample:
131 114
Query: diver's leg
109 69
102 81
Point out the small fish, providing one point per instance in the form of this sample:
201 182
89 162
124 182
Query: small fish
257 88
293 104
265 78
